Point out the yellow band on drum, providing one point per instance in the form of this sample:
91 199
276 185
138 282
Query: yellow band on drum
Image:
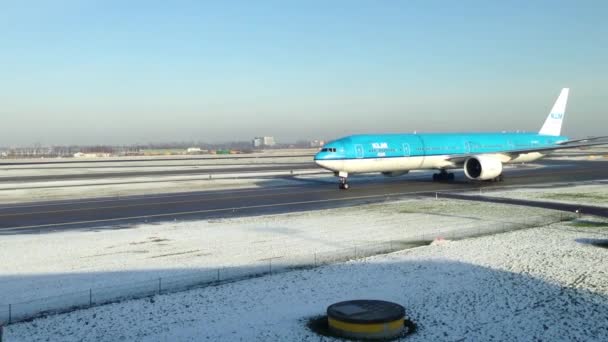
365 328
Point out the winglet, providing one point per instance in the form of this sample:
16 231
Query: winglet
553 123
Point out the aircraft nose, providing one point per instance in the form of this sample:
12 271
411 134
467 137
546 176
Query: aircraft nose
320 162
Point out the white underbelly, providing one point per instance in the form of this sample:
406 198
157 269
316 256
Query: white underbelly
393 164
381 164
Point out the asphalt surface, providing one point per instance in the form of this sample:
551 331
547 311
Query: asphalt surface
313 194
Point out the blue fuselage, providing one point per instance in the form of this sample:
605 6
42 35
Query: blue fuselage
433 144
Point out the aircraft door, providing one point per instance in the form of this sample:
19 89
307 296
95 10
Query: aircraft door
359 150
406 150
467 147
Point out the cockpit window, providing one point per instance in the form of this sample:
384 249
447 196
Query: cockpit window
323 150
328 149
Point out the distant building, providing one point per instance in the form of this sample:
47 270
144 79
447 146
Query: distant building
194 150
263 142
257 142
269 141
92 155
317 143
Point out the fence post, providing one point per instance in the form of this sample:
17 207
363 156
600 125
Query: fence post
159 285
90 297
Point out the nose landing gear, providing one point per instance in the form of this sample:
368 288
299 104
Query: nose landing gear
343 184
342 176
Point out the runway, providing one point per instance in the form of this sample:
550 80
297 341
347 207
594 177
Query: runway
311 194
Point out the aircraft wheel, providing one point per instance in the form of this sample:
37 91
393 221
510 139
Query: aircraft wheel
343 184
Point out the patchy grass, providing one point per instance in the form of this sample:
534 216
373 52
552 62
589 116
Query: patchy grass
576 196
588 224
602 243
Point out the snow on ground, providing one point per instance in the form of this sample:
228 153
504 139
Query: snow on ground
42 265
592 153
538 284
262 156
590 194
95 188
12 171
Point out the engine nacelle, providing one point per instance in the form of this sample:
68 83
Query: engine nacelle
482 167
395 173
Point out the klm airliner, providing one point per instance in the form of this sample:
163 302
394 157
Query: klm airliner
481 155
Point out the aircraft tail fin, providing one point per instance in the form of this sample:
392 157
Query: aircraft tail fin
553 123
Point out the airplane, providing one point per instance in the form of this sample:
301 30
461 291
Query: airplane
481 155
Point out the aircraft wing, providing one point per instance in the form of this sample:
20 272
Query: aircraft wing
514 153
567 142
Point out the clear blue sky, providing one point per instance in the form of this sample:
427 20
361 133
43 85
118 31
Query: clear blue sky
93 72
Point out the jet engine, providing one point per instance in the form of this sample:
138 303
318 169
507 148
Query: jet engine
482 167
395 173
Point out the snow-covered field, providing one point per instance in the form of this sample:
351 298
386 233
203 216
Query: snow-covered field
593 153
538 284
94 188
150 164
595 194
19 171
50 264
264 154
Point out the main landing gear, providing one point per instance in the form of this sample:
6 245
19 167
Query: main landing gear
500 178
443 176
